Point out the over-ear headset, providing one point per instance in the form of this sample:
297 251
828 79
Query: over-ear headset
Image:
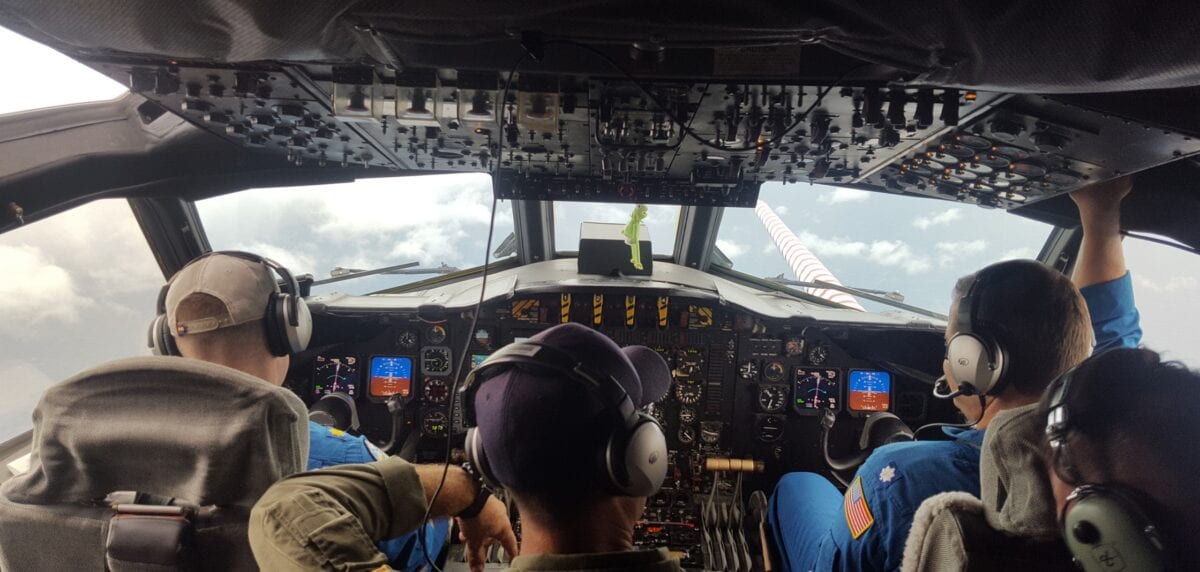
286 317
1103 525
634 460
976 358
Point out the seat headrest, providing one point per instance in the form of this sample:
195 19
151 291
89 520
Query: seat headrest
169 426
1014 487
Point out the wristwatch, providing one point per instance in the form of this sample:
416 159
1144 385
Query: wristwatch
481 497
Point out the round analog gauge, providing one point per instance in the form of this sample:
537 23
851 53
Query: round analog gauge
710 432
687 435
407 339
483 338
689 363
687 415
1027 170
655 410
770 428
748 370
818 354
775 371
436 390
772 398
434 424
794 346
333 375
436 334
688 394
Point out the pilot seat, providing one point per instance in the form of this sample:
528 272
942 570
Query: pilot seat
149 463
1013 527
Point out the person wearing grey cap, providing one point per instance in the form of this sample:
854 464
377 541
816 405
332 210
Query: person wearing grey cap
556 421
226 308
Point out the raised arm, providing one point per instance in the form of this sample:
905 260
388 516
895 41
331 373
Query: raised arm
1100 271
331 518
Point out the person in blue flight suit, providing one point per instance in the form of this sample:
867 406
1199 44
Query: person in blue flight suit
1044 325
330 447
226 295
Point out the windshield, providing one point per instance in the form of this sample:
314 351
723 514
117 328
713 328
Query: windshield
439 222
917 248
59 79
660 222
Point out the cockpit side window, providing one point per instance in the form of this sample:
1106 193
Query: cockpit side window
1166 283
76 289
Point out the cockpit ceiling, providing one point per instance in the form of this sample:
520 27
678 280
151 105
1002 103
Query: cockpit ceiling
1016 47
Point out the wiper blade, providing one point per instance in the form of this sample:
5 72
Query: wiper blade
340 274
892 298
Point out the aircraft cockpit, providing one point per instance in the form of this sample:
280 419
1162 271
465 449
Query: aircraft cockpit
777 203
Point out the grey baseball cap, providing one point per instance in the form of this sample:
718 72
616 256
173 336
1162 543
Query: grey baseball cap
242 286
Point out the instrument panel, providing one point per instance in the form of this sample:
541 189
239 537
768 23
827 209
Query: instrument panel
744 406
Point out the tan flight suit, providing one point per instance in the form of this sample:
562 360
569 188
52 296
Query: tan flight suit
330 518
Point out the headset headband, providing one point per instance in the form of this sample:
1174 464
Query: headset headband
969 303
535 355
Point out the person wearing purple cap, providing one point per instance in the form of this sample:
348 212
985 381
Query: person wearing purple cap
556 421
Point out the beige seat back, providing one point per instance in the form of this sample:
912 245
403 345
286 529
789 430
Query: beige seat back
1014 525
166 426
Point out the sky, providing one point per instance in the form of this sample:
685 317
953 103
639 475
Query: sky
79 288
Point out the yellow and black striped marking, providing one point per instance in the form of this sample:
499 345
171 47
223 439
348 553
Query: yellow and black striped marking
525 310
598 310
705 315
664 304
565 309
630 312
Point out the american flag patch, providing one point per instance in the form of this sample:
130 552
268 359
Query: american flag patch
858 514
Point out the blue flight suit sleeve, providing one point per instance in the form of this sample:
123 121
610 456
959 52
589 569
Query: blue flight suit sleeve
1115 319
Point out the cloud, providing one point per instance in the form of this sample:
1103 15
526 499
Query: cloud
842 195
945 217
731 248
45 292
951 251
895 253
1018 253
781 210
1174 284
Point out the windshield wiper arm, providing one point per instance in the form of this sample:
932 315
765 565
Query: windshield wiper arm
893 299
339 274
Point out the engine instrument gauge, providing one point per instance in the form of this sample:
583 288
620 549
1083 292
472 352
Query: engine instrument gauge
483 338
688 394
334 374
689 363
748 370
687 435
407 339
775 371
817 389
769 428
687 415
434 424
710 432
436 390
436 334
794 346
772 398
818 353
435 361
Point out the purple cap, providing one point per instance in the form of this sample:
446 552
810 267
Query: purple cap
538 431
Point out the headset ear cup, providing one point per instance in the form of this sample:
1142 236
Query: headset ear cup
478 457
637 461
275 324
161 342
971 363
300 334
1107 532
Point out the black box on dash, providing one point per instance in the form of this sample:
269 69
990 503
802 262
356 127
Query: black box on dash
602 250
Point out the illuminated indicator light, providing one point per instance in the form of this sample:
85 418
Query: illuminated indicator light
970 96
